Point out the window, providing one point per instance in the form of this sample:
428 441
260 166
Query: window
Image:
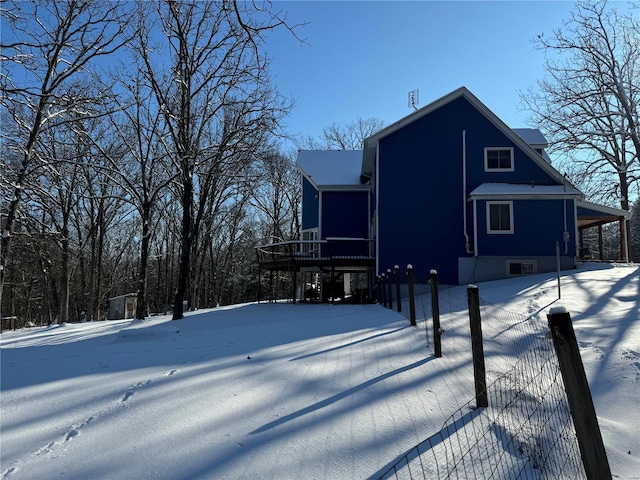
498 159
499 217
310 235
520 267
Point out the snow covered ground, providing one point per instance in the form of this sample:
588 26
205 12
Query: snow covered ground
286 391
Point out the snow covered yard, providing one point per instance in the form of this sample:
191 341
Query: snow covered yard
286 391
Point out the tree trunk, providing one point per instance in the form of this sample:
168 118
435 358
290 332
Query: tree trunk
101 233
64 300
141 305
185 248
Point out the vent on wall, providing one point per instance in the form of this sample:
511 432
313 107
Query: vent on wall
516 268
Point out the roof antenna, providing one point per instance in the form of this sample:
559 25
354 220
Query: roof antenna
413 99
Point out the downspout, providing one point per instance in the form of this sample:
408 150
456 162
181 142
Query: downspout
377 207
321 272
319 214
565 232
475 227
467 245
576 231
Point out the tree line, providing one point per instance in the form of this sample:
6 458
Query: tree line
140 154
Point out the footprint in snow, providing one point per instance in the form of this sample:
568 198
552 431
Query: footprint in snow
74 431
133 389
9 472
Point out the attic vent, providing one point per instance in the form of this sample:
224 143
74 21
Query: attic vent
516 268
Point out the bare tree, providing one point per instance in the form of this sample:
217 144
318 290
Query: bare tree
217 82
350 136
103 216
342 137
48 48
589 100
58 190
277 196
136 152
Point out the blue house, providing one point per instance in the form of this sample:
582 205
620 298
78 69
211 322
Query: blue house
449 187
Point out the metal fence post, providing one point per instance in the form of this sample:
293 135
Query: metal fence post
477 350
398 299
412 299
383 288
435 310
390 291
259 278
294 286
594 456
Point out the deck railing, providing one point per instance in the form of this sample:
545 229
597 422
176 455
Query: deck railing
296 252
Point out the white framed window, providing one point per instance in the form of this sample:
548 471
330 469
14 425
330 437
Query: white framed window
498 159
499 217
517 268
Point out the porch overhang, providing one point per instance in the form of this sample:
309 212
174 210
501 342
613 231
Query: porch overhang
593 215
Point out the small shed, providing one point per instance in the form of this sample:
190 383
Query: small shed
122 306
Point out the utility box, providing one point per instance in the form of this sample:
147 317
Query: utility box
123 306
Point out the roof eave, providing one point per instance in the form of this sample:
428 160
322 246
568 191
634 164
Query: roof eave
618 212
523 196
343 188
308 177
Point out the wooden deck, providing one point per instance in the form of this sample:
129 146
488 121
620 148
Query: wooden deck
332 252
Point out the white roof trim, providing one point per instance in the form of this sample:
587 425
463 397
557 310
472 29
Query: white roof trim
513 191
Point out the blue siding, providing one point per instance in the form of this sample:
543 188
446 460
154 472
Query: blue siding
310 205
420 194
344 214
537 226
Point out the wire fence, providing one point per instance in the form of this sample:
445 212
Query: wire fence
527 431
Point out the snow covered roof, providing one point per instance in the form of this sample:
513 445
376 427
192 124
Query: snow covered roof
331 169
502 191
532 136
126 295
588 209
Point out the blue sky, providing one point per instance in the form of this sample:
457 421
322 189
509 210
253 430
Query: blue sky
363 57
